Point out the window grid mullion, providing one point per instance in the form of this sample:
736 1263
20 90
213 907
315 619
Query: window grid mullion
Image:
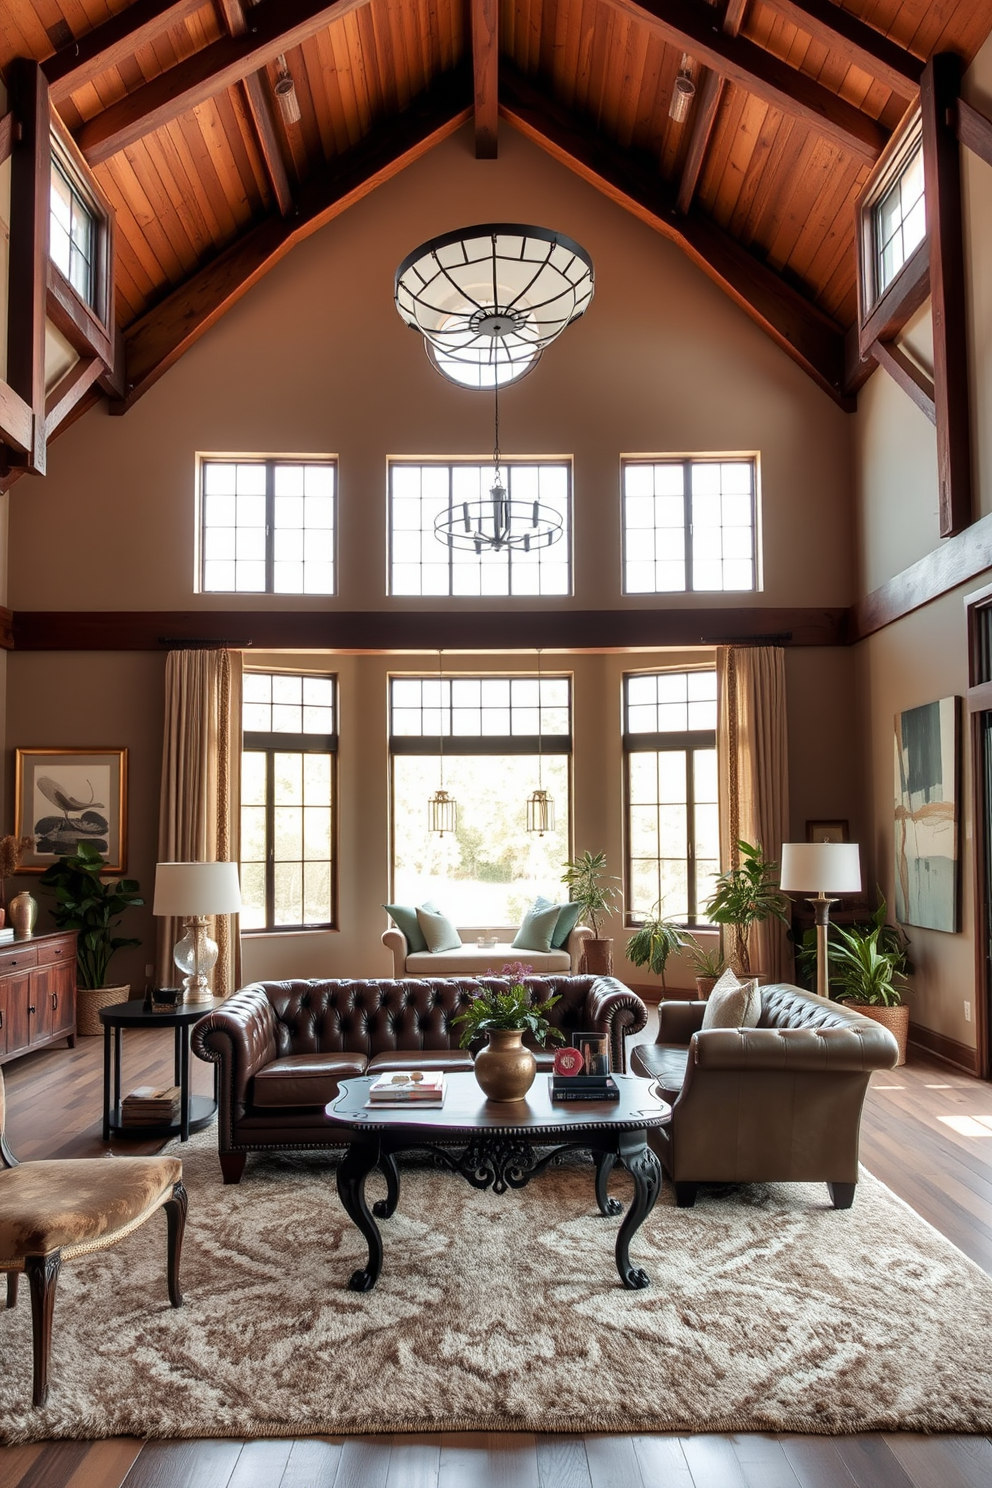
270 838
690 834
270 526
687 502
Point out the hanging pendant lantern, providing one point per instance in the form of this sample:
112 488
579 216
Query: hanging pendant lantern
540 803
442 809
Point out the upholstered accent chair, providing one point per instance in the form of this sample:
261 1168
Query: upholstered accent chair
62 1209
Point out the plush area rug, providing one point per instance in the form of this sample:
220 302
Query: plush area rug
767 1311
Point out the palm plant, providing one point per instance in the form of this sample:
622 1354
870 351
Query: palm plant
591 886
746 896
656 940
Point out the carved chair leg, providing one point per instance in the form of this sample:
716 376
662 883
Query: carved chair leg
232 1165
175 1214
842 1194
13 1277
685 1195
43 1275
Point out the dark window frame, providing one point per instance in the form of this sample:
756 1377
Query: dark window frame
687 462
87 324
901 149
269 463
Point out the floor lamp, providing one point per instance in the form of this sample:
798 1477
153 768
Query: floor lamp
193 892
829 868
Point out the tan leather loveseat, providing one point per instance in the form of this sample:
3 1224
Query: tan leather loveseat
777 1103
282 1047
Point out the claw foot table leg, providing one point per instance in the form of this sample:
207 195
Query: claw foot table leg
361 1158
645 1169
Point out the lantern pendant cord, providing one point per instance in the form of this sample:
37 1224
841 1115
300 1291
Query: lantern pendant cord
496 457
540 731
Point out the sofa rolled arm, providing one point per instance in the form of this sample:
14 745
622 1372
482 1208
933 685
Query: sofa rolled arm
395 941
678 1021
858 1049
615 1010
241 1038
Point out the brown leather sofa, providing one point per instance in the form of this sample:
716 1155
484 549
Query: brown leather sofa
282 1047
777 1103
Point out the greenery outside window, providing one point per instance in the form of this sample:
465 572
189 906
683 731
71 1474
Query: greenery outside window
289 748
673 822
689 524
267 525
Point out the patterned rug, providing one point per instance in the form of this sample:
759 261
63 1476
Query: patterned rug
768 1311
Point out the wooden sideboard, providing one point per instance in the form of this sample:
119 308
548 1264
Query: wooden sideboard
37 992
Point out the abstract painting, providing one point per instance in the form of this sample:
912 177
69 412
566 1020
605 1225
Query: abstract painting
926 815
67 796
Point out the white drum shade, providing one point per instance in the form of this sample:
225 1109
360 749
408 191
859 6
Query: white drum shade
184 889
821 867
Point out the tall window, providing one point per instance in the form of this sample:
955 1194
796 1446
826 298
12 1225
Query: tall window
420 562
287 801
72 233
688 524
267 526
484 733
673 825
900 220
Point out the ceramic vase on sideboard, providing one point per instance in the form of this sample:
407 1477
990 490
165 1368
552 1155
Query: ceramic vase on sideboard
23 912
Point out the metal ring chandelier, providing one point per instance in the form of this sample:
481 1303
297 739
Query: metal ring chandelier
488 299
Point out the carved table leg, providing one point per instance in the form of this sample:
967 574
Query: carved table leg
175 1215
386 1208
362 1156
645 1169
604 1166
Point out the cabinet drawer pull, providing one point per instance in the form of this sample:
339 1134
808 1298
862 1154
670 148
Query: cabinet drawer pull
32 1009
55 1001
1 1017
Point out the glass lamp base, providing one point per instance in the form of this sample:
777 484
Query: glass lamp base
196 956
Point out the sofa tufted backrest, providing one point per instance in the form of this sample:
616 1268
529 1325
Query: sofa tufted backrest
783 1006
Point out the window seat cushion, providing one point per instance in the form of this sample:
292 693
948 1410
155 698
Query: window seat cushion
473 960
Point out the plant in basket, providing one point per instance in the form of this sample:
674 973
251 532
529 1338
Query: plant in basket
505 1069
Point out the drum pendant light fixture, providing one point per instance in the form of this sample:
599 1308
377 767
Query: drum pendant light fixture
540 803
442 809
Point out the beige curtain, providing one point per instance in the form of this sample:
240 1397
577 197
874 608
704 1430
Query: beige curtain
199 809
753 760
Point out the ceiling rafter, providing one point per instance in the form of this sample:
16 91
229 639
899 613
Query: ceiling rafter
113 42
275 27
485 65
258 104
860 43
805 333
704 119
750 67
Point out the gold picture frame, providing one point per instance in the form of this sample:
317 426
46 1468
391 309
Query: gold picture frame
836 830
66 796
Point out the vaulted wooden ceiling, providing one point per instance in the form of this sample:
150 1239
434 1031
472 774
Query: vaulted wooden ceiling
173 106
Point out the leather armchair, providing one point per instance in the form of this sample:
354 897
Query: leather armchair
778 1103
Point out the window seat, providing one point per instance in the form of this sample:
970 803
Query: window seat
471 959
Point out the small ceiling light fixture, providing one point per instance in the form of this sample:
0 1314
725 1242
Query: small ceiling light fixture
540 803
489 299
442 809
285 91
683 93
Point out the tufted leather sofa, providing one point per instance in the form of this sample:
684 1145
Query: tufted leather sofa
777 1103
282 1047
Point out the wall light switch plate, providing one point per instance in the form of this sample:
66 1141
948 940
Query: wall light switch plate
967 1011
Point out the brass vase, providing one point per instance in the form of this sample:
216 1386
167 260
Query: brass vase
23 911
504 1069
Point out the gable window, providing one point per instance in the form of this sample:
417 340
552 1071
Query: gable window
488 733
673 822
892 215
73 233
267 526
290 740
420 562
689 524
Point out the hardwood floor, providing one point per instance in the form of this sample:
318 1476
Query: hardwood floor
927 1133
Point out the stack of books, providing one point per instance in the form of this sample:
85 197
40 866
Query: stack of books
408 1088
6 933
150 1105
583 1088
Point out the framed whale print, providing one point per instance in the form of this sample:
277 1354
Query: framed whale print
67 796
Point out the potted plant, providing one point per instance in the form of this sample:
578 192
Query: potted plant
12 849
590 886
504 1068
747 896
868 971
93 907
709 967
656 940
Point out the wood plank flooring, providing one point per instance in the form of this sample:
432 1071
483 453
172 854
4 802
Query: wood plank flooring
927 1133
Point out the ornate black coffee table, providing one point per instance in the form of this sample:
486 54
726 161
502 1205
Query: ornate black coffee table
497 1145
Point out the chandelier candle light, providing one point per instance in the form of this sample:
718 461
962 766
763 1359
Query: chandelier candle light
829 868
193 892
442 809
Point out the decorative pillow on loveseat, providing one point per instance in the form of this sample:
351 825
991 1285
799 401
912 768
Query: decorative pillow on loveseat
568 918
537 930
733 1004
404 917
437 930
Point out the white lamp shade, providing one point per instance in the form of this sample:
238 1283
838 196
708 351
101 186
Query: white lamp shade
821 867
184 889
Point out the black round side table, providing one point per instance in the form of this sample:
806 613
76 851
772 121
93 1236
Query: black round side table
196 1111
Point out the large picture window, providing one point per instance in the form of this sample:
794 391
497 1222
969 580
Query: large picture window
420 562
673 825
485 732
267 526
287 801
689 524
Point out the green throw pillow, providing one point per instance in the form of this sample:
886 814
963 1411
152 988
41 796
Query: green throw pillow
568 918
405 919
438 931
537 929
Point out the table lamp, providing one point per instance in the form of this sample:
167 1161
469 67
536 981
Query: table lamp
829 868
192 892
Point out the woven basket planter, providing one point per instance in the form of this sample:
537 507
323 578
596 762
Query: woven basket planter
89 1001
597 957
895 1019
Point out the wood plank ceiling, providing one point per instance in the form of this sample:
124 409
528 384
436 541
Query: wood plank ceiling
173 104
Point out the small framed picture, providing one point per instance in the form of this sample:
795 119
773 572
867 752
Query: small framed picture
827 831
595 1051
67 796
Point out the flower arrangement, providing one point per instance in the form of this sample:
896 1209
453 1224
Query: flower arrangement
12 850
496 1011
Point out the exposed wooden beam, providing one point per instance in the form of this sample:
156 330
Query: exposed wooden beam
808 336
69 391
861 44
759 72
113 42
911 378
30 194
939 91
956 561
232 16
974 130
158 340
259 102
16 421
75 320
276 26
9 131
704 117
485 66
